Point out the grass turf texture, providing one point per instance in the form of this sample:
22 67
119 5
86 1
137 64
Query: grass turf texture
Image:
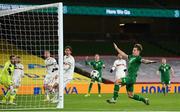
94 103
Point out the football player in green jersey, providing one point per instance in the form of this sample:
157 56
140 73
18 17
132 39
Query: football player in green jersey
165 70
98 65
134 62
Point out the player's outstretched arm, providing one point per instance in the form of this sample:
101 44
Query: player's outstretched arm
172 72
157 72
124 55
146 61
86 61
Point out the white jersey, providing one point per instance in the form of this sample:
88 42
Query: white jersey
51 69
50 64
119 65
68 67
18 73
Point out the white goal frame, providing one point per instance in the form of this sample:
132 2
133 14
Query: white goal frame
60 105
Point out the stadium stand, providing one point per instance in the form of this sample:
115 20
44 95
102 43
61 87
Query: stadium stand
147 73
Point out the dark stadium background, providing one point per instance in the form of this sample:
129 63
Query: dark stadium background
90 34
159 36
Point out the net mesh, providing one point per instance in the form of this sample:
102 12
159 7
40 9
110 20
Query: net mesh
28 33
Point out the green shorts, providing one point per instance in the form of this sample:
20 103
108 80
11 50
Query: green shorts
129 82
99 79
167 81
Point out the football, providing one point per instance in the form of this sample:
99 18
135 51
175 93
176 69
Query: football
94 74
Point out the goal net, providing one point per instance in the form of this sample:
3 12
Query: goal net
26 33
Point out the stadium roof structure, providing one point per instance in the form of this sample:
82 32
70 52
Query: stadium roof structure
164 4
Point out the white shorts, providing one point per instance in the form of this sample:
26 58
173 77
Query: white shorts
17 80
49 78
56 81
120 75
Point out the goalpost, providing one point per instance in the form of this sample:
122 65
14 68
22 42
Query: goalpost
28 32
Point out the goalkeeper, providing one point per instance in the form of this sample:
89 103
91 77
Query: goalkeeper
96 64
6 80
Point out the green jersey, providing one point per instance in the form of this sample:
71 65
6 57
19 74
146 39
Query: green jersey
165 71
134 63
96 65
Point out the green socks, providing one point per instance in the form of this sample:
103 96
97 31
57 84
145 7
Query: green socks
116 91
90 86
164 90
99 88
138 98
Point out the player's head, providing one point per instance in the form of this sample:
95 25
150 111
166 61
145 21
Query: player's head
18 59
119 56
96 57
47 54
163 60
68 50
12 59
137 49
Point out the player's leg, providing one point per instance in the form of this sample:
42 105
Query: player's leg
46 88
130 89
16 84
10 94
55 91
90 87
99 86
54 88
167 85
3 82
164 88
118 83
5 96
13 90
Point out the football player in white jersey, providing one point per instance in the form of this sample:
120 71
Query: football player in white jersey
120 67
52 73
18 74
69 65
68 71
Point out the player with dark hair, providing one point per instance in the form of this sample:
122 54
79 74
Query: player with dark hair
134 62
68 65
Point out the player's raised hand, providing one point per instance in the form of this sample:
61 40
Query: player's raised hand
153 61
86 58
115 46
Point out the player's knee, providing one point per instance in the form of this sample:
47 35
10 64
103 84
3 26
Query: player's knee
118 81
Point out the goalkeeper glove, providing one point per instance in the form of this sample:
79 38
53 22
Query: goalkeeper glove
111 70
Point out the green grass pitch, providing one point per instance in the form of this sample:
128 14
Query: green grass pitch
158 102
